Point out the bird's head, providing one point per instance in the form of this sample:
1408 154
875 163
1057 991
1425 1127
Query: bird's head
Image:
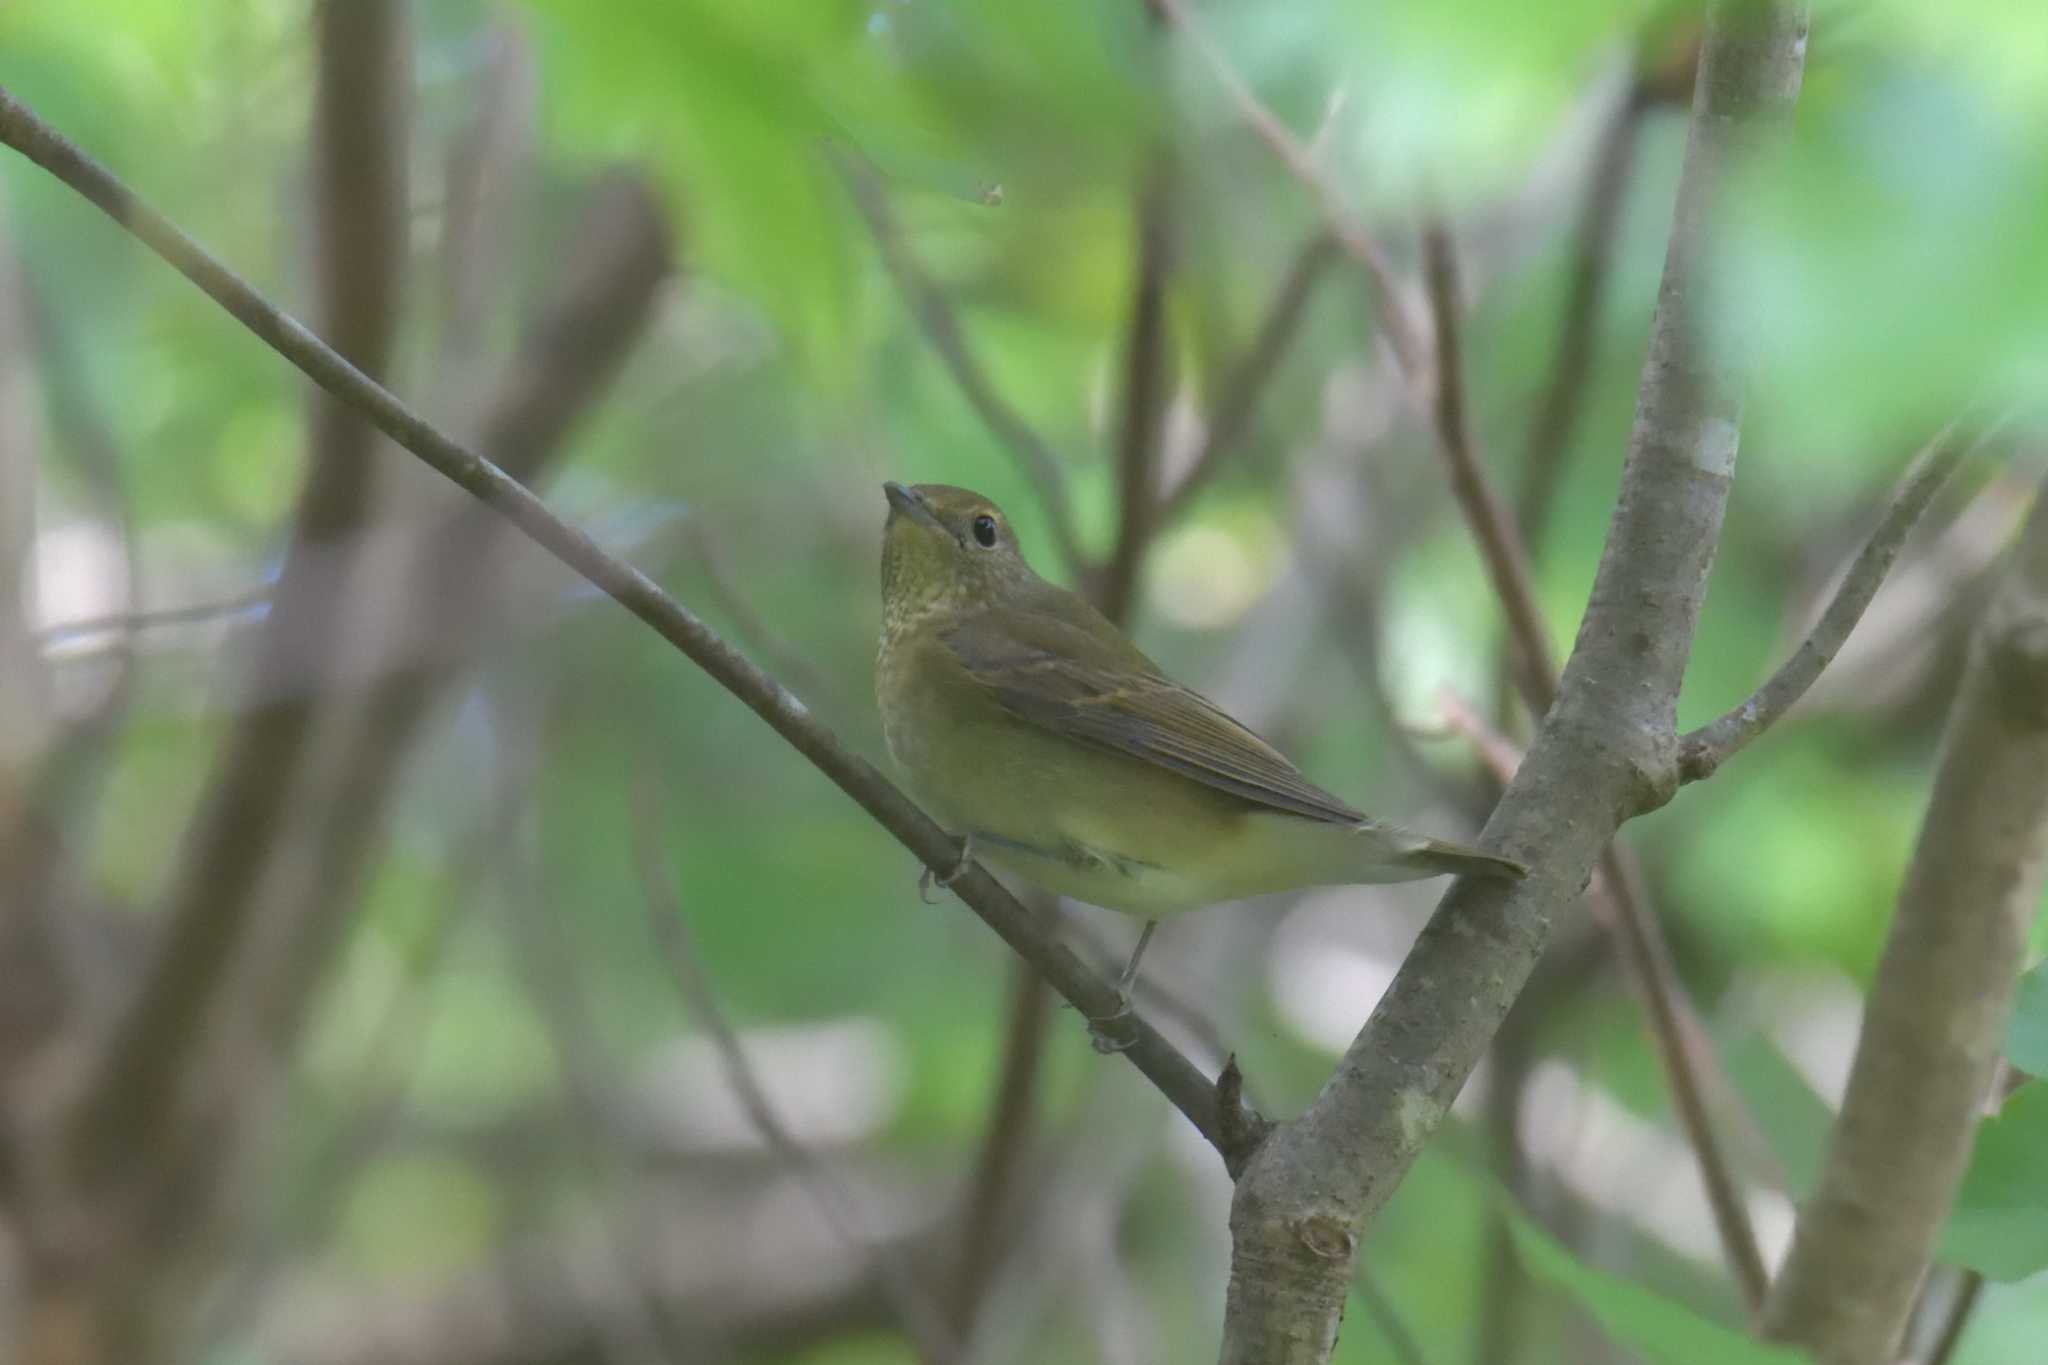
946 550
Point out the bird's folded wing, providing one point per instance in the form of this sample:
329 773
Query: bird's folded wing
1098 689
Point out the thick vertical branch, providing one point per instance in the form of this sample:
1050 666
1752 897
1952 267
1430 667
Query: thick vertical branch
1936 1015
359 213
1624 912
1606 752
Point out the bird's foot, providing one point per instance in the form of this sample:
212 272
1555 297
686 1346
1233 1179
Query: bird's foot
927 879
1098 1029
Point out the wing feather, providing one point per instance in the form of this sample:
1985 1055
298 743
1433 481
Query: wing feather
1094 687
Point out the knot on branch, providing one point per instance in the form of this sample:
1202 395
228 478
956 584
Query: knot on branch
1327 1237
1643 754
1699 757
1655 769
1240 1128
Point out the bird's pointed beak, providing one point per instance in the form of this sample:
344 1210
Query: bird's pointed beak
910 504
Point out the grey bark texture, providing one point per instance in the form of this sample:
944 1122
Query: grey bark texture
1606 751
1936 1016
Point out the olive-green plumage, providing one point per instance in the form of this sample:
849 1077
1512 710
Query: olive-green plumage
1023 718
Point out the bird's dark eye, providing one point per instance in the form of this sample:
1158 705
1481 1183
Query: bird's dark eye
985 531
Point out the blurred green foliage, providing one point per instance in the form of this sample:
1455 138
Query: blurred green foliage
1895 256
2026 1044
2000 1221
1658 1328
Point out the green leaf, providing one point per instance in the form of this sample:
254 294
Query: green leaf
1999 1225
1641 1319
1794 1118
2026 1040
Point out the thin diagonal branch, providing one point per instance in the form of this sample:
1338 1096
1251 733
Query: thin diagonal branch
1639 942
1404 332
1238 397
922 1319
250 605
941 326
1968 1290
1486 513
1703 751
1176 1077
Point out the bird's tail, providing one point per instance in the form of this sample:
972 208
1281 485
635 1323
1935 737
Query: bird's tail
1439 857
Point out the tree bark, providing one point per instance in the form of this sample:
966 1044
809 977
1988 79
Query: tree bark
1936 1016
1607 751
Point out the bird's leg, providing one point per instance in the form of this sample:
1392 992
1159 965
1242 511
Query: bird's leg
927 878
1130 973
1102 1041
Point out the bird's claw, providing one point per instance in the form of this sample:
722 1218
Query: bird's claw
927 878
1098 1029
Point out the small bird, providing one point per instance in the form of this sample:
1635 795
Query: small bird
1027 723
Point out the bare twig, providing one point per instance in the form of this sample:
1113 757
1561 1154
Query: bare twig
1493 529
1935 1017
126 624
1145 392
1961 1306
1687 1057
920 1316
1681 1044
1501 754
1238 397
1403 331
1604 754
1571 367
1703 751
360 185
934 313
